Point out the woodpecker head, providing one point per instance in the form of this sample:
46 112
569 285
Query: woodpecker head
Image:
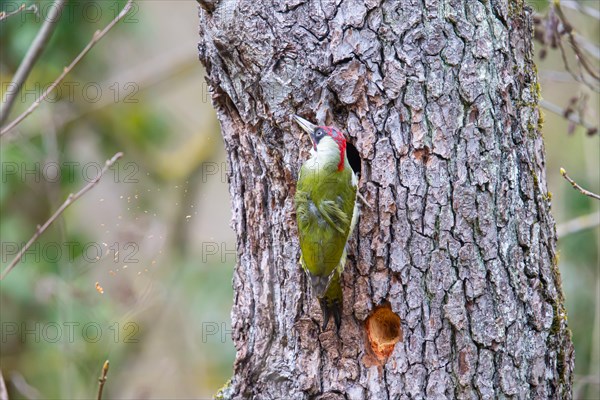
326 140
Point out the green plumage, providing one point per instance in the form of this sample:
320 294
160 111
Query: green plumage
325 207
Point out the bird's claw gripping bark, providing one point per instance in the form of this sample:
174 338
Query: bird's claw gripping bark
328 309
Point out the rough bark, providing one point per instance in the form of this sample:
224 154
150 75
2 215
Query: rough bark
440 99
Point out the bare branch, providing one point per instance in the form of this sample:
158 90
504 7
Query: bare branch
578 224
22 387
146 75
556 76
587 10
33 54
572 117
588 46
97 36
3 392
4 15
70 200
581 58
102 379
576 186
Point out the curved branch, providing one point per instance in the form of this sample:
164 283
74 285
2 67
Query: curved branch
70 200
33 54
577 187
4 15
583 63
95 39
102 379
3 392
570 116
578 224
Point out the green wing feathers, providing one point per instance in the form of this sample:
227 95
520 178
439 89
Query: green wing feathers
325 206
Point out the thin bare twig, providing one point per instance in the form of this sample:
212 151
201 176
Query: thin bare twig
588 46
581 58
556 76
4 15
573 117
576 186
33 54
22 387
578 76
97 36
578 224
3 392
146 75
576 5
102 379
70 200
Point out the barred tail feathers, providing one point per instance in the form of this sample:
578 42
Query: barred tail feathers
328 290
332 301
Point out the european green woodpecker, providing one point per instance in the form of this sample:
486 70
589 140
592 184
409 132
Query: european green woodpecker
326 212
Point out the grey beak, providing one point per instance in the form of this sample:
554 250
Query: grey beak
305 125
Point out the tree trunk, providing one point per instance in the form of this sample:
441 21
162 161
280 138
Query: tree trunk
440 99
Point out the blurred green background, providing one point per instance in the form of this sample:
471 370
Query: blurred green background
143 263
158 220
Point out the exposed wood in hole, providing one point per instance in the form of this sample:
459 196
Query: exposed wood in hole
422 154
383 331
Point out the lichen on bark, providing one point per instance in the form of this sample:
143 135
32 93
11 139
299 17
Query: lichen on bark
440 99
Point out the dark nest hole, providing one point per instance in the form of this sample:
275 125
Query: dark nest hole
353 158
